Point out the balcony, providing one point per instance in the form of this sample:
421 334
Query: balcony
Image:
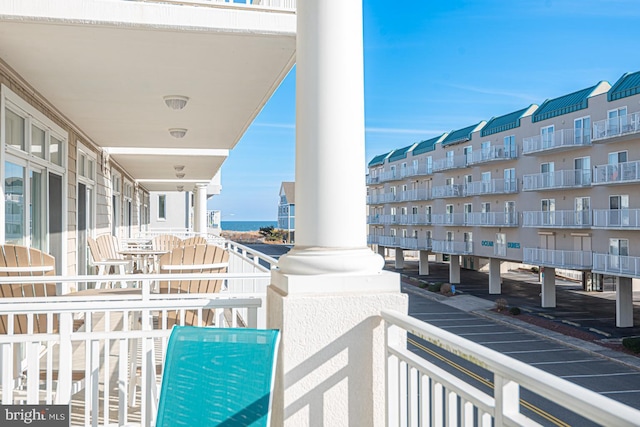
616 265
413 195
415 244
379 199
492 154
619 173
557 180
557 219
570 260
447 163
382 219
559 140
423 169
604 130
620 219
494 186
444 191
492 219
448 219
388 241
451 248
414 219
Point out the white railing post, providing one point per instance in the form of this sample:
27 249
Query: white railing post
63 391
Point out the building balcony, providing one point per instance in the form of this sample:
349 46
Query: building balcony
415 244
388 241
444 191
422 169
494 186
616 265
413 195
492 154
448 219
605 130
559 140
414 219
447 163
379 199
491 219
451 248
557 219
570 260
557 180
382 219
621 219
620 173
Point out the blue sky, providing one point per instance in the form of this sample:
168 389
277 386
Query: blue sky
438 65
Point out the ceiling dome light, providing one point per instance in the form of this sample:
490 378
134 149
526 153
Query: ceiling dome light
178 132
180 175
176 102
180 187
179 168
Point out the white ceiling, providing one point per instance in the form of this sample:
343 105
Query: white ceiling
110 80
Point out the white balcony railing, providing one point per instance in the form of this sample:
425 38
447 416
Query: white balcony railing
616 218
620 173
412 219
557 180
560 139
382 198
452 248
446 163
492 219
448 219
618 126
421 393
552 219
571 260
494 186
493 154
414 243
443 191
413 195
616 265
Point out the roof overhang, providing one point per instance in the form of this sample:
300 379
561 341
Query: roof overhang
107 65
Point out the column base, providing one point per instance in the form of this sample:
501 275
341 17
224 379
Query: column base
331 369
312 260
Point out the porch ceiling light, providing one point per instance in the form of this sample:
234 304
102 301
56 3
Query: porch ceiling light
179 168
180 187
180 175
178 132
176 102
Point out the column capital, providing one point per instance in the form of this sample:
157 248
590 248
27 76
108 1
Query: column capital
320 260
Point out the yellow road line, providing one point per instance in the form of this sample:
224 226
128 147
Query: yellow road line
489 384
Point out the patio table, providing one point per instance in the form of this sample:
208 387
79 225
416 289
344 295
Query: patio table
145 258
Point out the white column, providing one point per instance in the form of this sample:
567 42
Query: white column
328 291
439 258
624 302
200 209
549 288
399 258
423 265
454 269
495 282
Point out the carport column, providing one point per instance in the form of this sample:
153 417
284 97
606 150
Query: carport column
328 292
624 302
423 265
399 258
454 269
381 251
549 288
200 209
495 282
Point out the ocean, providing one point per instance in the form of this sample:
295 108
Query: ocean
246 225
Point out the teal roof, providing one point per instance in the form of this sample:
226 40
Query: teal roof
426 146
563 105
379 160
627 85
502 123
400 153
460 135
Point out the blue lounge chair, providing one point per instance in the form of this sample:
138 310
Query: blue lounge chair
218 377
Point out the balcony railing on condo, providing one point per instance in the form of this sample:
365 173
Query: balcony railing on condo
452 248
454 190
617 126
559 219
491 219
494 186
414 219
413 195
377 199
557 180
558 140
571 260
628 219
619 173
448 219
415 243
382 219
446 163
616 265
419 393
493 154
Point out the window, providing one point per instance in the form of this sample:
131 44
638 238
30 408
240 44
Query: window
162 207
485 150
429 165
485 178
616 121
449 214
510 150
415 167
468 242
546 136
582 131
583 210
510 182
116 183
449 159
548 207
582 167
14 203
618 248
617 157
393 171
547 178
510 212
86 161
485 208
467 212
619 210
403 169
14 130
468 154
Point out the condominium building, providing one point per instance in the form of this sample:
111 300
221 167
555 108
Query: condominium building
287 210
553 185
